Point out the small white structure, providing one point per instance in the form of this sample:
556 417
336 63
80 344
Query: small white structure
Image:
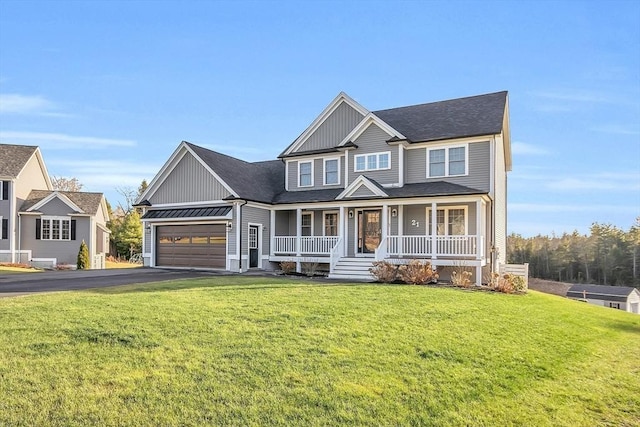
619 297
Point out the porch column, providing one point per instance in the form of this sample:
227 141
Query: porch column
385 221
298 234
272 231
341 223
434 230
479 231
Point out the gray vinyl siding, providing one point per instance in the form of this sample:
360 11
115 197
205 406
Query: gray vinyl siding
318 174
418 213
147 241
189 181
333 130
500 200
56 207
351 234
393 221
479 167
282 223
363 191
65 251
255 215
373 140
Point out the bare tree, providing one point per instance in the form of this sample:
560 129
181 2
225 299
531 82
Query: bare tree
65 184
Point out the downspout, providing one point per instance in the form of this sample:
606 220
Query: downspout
19 237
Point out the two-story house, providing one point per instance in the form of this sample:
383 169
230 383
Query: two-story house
41 226
425 181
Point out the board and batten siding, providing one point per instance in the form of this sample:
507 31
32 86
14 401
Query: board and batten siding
373 140
479 167
189 181
333 130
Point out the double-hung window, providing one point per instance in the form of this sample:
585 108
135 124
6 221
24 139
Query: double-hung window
372 162
55 228
307 224
305 174
451 161
331 171
450 221
330 224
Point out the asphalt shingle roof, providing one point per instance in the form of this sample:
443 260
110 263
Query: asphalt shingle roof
602 292
454 118
88 202
13 158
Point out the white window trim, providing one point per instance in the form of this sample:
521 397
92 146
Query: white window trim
55 218
446 210
310 213
299 176
366 168
324 170
446 160
1 187
1 236
324 222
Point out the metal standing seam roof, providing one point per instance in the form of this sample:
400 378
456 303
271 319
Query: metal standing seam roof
211 211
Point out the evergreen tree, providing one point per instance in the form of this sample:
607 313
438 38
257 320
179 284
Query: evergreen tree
83 257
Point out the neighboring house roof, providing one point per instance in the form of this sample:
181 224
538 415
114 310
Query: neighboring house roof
455 118
601 292
88 202
258 182
13 158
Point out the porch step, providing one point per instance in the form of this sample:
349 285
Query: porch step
355 269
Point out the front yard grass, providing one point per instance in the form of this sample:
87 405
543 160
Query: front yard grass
273 351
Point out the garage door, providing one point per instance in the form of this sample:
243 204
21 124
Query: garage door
191 246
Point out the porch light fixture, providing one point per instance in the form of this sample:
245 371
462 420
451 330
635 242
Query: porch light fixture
350 214
229 226
148 226
394 213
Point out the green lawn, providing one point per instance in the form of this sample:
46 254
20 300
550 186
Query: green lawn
271 351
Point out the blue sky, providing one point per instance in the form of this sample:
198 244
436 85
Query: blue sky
109 89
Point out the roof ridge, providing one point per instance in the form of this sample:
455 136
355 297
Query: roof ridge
441 101
215 152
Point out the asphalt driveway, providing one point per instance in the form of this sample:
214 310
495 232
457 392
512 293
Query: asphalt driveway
51 281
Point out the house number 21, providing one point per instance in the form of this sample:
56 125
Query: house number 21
415 223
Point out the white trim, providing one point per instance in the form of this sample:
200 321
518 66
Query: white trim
1 236
64 199
366 161
286 174
52 218
1 187
324 222
43 168
324 170
311 162
326 113
355 185
446 210
448 142
168 167
446 160
400 165
259 244
368 120
336 204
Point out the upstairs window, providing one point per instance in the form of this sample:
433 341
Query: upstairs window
331 172
305 174
372 162
450 161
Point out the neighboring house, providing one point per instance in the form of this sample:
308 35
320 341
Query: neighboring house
41 226
426 181
619 297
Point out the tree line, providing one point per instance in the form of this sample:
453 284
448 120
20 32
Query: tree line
608 255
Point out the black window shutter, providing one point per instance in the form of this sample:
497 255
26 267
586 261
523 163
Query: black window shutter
38 222
73 229
5 191
5 229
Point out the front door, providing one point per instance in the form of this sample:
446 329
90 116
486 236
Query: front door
253 246
369 231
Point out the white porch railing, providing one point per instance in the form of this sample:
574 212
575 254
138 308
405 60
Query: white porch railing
450 246
304 245
336 253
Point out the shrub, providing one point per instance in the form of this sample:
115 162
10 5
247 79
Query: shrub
83 257
309 268
508 283
461 278
288 267
417 273
384 271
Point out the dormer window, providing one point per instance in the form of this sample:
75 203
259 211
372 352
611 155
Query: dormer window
305 174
